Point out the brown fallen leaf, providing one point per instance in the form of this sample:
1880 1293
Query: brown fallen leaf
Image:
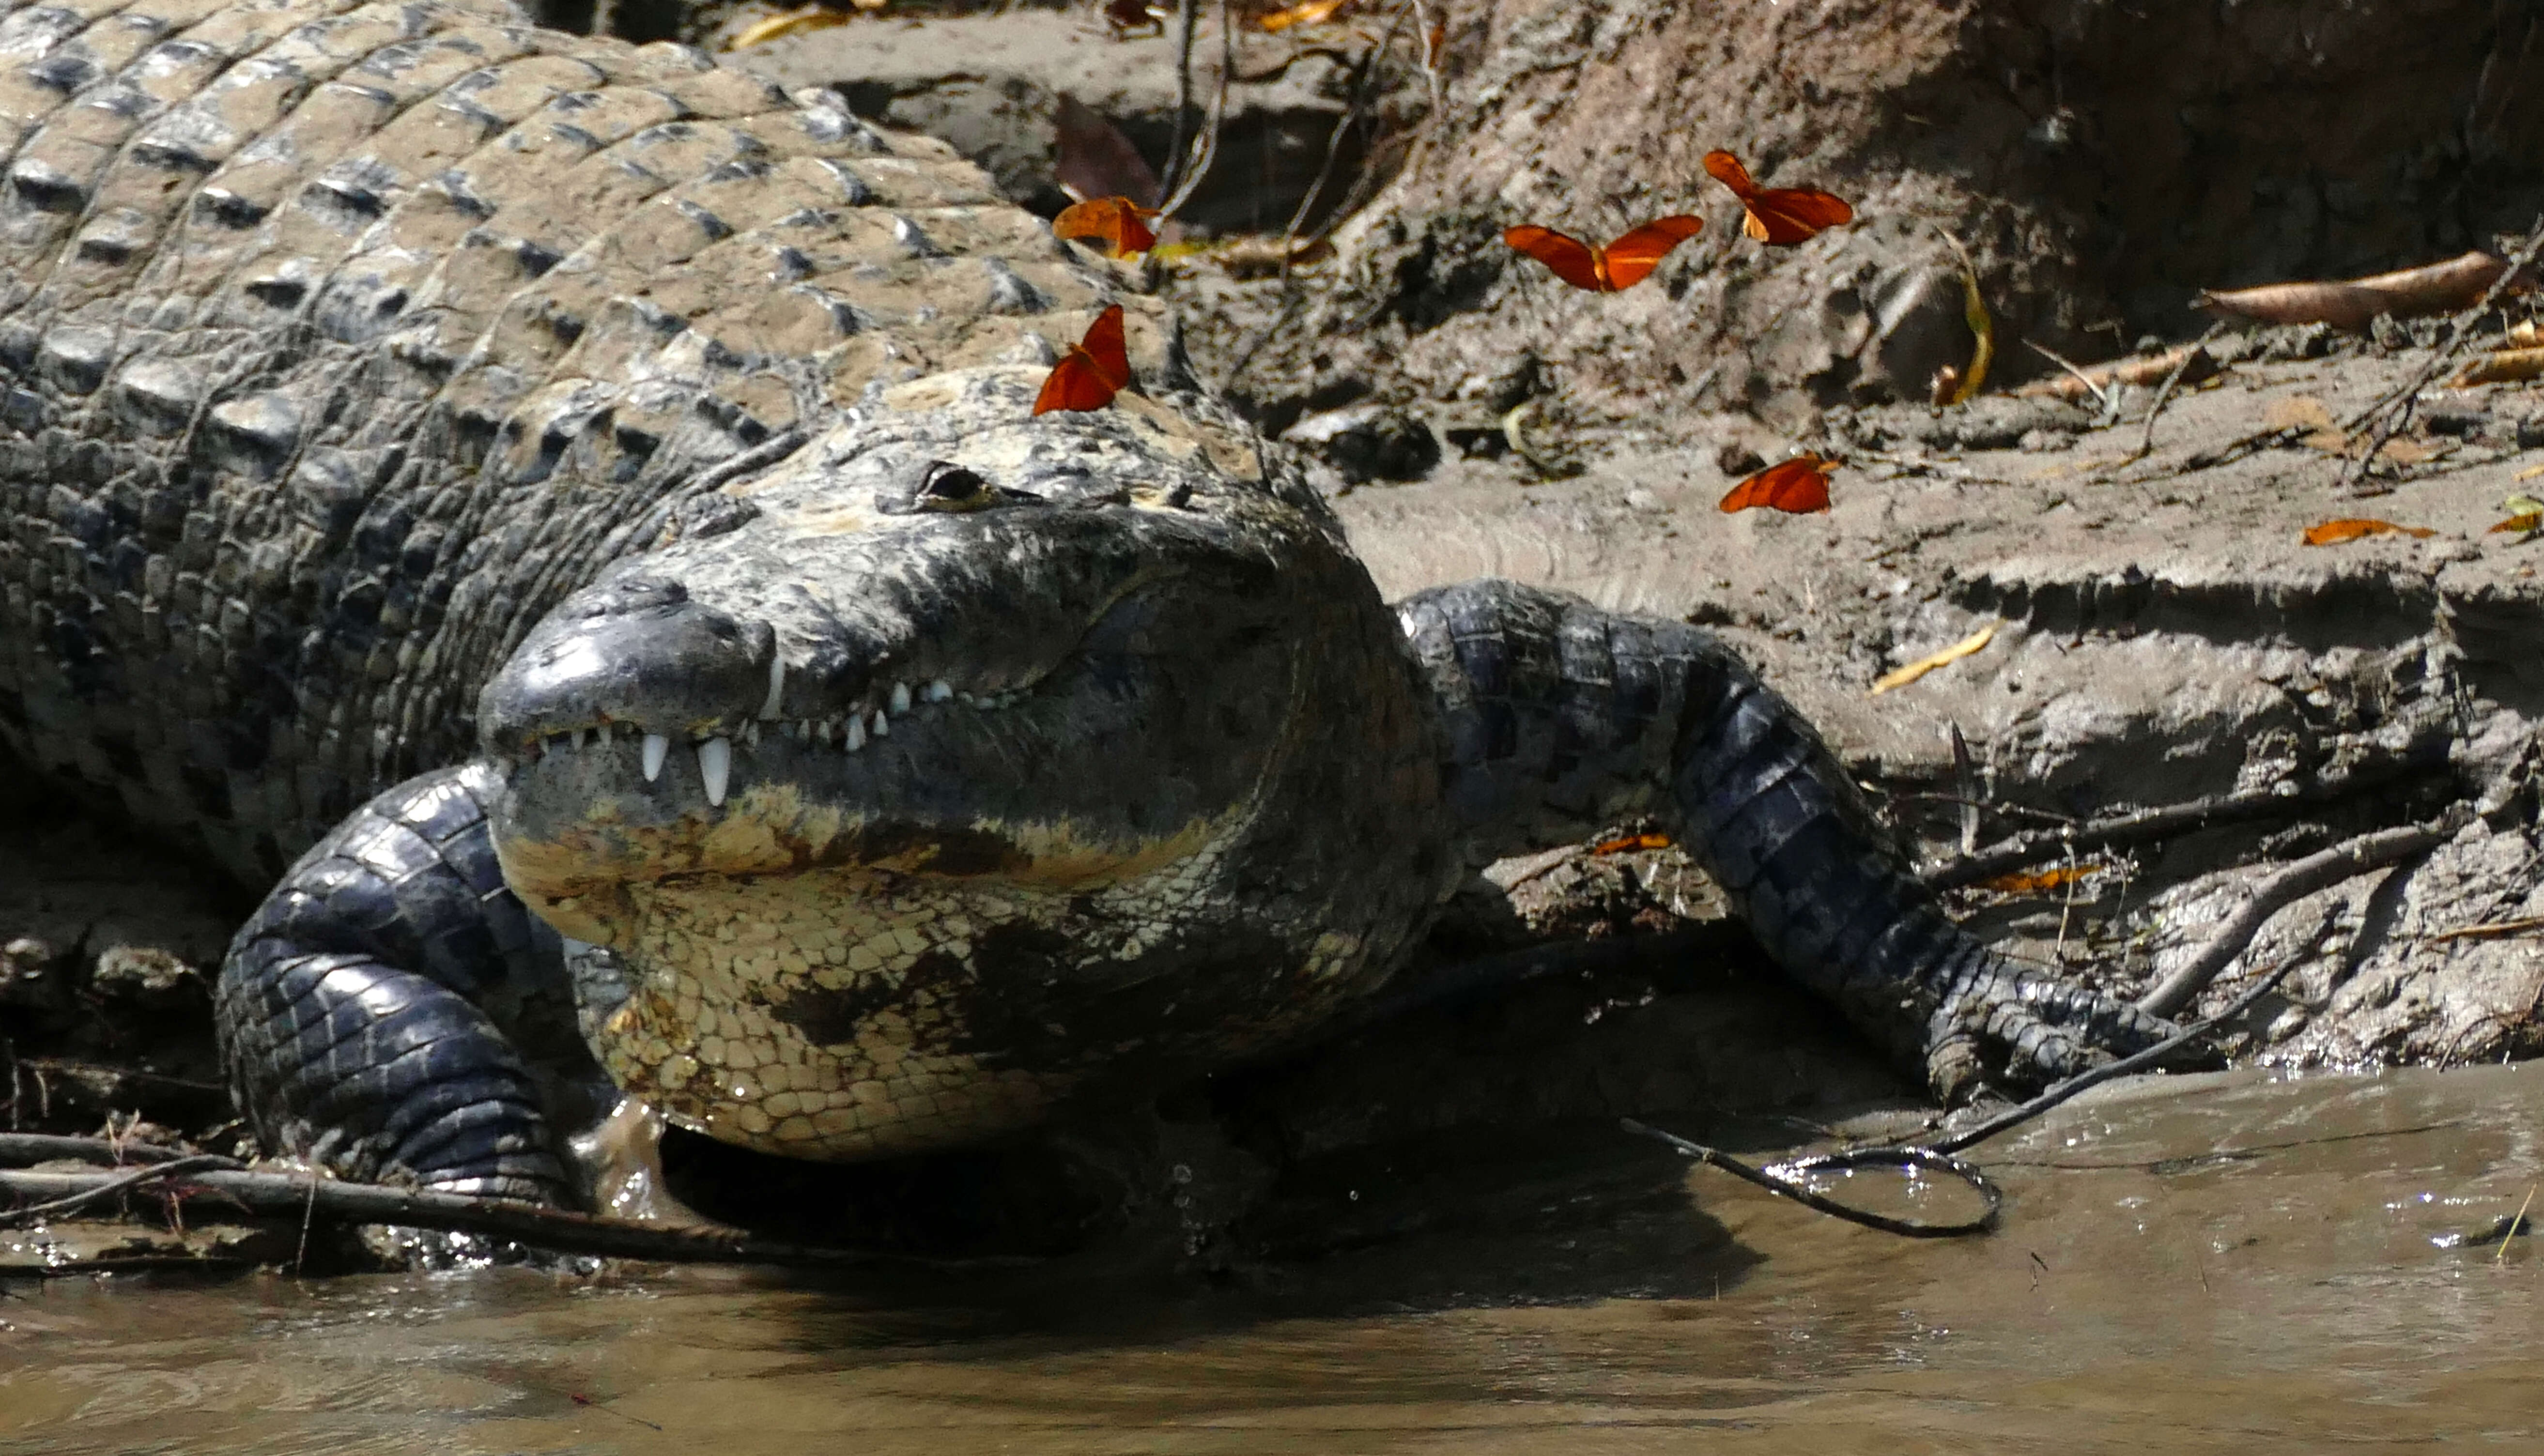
2525 334
2501 367
2194 362
1260 256
2305 412
1630 843
2031 882
1901 677
2437 288
2333 533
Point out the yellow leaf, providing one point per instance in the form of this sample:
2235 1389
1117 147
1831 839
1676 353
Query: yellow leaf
2503 367
2529 472
2525 520
1305 13
792 23
1965 384
1901 678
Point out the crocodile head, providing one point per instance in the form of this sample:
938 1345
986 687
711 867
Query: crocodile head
948 763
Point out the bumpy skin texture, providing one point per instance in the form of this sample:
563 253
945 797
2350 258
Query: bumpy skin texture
391 382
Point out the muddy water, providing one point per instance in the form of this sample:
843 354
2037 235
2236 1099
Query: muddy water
2194 1265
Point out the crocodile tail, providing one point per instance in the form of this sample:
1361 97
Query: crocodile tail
1563 720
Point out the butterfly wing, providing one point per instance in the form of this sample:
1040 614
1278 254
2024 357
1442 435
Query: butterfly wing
1096 369
1783 216
1117 224
1105 350
1726 170
1800 486
1573 261
1632 257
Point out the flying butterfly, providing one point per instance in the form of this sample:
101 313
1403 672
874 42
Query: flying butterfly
1621 264
1098 368
1115 225
1799 484
1781 216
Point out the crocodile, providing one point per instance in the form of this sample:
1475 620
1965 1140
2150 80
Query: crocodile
571 521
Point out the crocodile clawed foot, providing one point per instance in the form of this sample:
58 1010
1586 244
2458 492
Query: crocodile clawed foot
2009 1030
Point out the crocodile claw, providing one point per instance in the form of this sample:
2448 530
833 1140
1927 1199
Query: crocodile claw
2006 1028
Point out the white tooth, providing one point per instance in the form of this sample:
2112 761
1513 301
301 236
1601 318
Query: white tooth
715 763
900 698
776 685
797 730
968 700
881 726
822 732
855 738
657 748
751 734
939 690
583 737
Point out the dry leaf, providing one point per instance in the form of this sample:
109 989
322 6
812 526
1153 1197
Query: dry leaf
2438 288
2333 533
2529 472
2526 334
1902 676
1305 13
2195 363
2305 412
793 22
2503 367
1630 843
2033 882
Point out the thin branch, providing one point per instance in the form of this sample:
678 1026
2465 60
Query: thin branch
295 1196
2343 861
1208 145
1187 22
2146 446
2044 845
21 1148
2095 390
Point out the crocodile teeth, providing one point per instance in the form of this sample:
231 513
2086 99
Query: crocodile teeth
900 698
581 738
881 726
939 690
776 685
751 734
855 736
715 763
657 748
822 732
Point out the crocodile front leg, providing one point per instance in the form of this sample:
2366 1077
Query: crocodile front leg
372 1014
1563 719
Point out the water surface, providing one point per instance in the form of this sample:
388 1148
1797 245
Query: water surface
2233 1263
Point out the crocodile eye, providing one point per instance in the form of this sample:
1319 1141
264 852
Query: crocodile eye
952 488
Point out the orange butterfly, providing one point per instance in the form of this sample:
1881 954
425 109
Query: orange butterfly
1781 216
1621 264
1096 369
1117 225
1799 484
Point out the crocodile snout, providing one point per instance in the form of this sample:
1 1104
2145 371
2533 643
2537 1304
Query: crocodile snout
634 655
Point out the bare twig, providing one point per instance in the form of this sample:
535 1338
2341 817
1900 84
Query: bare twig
20 1148
1187 22
292 1195
2350 858
2146 446
2040 846
2490 928
1207 146
2095 390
